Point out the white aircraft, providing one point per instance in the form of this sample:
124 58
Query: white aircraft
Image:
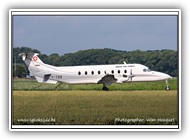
91 74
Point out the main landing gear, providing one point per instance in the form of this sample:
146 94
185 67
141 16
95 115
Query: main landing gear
104 88
167 85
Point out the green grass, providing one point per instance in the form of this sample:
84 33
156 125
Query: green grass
28 84
94 107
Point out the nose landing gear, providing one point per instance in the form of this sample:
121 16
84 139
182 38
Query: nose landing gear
167 85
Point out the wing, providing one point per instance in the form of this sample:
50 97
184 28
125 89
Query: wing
107 79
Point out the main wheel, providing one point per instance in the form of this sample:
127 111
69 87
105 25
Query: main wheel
104 88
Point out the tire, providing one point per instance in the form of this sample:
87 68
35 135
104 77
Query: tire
167 88
105 88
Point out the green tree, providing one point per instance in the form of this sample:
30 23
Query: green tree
19 70
54 59
159 60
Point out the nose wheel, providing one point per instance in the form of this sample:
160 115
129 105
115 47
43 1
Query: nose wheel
167 85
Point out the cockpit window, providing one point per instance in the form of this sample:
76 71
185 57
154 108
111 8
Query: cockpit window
146 70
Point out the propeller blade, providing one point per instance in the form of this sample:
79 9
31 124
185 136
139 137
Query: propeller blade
131 75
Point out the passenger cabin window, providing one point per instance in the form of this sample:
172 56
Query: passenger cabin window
79 73
125 71
86 73
98 72
105 72
92 72
118 71
112 71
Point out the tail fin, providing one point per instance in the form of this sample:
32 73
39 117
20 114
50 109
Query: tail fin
32 61
36 67
28 57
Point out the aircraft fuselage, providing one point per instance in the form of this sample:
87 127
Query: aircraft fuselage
90 74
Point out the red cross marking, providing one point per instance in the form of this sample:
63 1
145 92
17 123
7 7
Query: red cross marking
35 58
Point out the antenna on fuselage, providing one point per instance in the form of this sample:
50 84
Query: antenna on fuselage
124 62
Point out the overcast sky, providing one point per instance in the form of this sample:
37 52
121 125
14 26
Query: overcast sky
67 34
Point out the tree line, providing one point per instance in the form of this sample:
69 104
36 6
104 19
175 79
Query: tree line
159 60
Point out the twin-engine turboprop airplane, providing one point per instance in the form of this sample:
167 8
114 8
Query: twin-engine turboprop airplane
92 74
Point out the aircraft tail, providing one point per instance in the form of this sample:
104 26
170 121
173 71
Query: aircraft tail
36 67
30 57
32 62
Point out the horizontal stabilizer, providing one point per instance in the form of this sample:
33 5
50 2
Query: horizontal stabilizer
45 80
43 77
40 74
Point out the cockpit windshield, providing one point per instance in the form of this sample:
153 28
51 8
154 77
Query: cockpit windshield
146 70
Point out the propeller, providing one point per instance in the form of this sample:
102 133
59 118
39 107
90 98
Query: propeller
131 75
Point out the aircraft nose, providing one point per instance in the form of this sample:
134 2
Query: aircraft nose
163 76
166 76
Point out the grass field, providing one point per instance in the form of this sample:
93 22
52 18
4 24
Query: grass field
29 84
95 107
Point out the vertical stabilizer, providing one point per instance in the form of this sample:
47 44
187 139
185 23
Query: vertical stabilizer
31 56
37 68
32 61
